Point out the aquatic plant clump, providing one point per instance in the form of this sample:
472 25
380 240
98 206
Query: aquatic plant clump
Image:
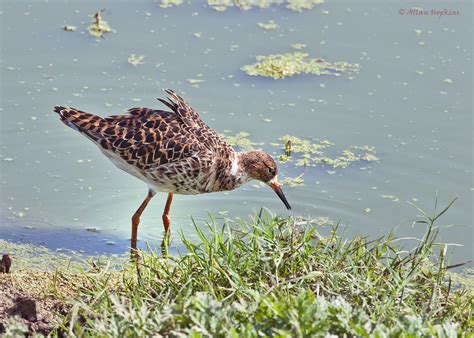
195 82
306 153
240 140
298 45
300 5
311 153
136 60
294 5
99 27
268 25
170 3
279 66
293 182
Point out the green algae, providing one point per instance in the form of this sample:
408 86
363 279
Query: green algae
308 153
301 5
315 221
294 5
391 197
33 257
347 157
28 256
241 141
195 82
298 46
279 66
313 153
170 3
293 182
99 27
304 161
283 158
268 25
136 60
304 146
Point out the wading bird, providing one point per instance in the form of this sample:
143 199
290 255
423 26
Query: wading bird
173 152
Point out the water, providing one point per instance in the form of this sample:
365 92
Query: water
55 184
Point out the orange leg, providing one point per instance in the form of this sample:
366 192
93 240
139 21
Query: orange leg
166 213
136 221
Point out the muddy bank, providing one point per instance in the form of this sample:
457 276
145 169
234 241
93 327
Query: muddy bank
29 297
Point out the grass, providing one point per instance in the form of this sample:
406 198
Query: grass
275 277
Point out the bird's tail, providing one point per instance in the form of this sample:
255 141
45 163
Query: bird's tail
89 124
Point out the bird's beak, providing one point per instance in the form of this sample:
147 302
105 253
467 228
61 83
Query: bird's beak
276 187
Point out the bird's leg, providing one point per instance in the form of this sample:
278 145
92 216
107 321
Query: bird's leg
166 213
136 221
166 224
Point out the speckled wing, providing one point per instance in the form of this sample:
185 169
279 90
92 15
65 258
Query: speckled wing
144 138
191 118
187 114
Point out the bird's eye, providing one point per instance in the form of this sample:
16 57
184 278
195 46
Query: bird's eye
271 170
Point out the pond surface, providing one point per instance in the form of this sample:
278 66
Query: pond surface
411 101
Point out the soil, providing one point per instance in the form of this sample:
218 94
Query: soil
30 298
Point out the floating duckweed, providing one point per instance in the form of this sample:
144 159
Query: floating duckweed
294 182
369 157
294 5
313 153
322 221
391 197
318 221
306 153
304 161
136 60
219 6
279 66
170 3
195 82
240 140
99 27
283 158
346 158
298 45
69 28
304 146
300 5
34 257
268 25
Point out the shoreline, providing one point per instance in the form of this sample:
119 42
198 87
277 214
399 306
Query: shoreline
272 263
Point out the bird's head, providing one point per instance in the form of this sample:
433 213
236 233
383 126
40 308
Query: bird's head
259 165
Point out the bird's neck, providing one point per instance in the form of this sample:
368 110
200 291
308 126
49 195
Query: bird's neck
237 169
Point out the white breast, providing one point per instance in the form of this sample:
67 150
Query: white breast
235 166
